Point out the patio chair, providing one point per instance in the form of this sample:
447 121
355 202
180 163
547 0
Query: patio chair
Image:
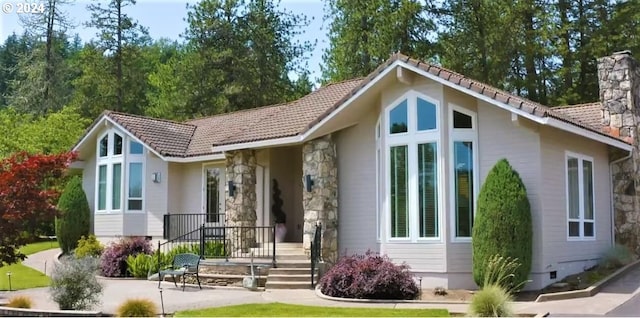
183 265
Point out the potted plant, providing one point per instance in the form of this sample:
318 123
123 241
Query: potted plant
279 217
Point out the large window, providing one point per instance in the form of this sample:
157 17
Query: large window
580 200
463 144
412 147
114 170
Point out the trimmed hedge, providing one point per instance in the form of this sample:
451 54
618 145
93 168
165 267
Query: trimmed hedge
503 223
74 220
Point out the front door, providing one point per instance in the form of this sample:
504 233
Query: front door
214 204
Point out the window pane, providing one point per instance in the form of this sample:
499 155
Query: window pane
213 195
574 228
135 205
117 144
135 180
399 203
136 148
588 229
102 187
587 180
426 115
398 118
574 188
428 190
463 170
461 120
117 185
104 146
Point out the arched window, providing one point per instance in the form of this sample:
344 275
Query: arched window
412 147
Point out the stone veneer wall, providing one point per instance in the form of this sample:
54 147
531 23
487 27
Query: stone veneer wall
321 204
241 208
619 81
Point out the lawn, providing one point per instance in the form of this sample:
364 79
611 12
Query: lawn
287 310
23 277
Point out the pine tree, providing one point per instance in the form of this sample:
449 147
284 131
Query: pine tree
75 216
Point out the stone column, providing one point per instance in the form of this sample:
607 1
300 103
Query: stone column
619 81
321 204
241 208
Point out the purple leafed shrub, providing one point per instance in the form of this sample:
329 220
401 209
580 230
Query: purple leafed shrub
113 262
369 276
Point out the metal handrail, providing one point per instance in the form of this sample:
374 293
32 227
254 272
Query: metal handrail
316 251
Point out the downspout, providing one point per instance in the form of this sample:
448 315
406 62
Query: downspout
613 210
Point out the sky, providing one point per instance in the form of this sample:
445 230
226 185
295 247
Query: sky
165 18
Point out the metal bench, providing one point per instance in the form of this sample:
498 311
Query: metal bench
183 265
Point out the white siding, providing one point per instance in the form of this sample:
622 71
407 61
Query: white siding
190 191
108 224
136 224
568 257
89 187
356 152
155 199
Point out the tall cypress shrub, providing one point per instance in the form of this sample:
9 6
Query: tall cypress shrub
503 223
75 215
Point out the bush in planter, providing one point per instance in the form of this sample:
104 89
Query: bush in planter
113 262
89 246
74 220
369 276
137 308
74 285
503 223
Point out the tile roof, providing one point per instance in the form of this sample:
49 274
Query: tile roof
197 137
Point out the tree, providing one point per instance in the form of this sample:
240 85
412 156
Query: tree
25 198
503 223
363 34
14 47
74 220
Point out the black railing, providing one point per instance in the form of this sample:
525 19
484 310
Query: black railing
178 224
316 252
223 242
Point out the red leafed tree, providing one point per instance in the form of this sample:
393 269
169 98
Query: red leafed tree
27 197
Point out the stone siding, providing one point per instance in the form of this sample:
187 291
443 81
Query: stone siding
241 208
619 81
321 204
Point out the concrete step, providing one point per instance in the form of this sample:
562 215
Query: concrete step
287 285
291 257
289 278
286 245
292 264
290 271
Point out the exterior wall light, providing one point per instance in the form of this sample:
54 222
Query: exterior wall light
308 182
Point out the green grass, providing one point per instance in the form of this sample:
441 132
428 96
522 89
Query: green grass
287 310
23 277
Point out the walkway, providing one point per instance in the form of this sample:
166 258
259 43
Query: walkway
117 291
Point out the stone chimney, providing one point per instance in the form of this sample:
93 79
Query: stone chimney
619 80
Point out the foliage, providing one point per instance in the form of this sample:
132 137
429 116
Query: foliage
289 310
74 220
88 246
363 34
141 265
74 285
276 208
615 257
503 223
491 301
500 271
369 276
113 262
138 307
20 301
25 198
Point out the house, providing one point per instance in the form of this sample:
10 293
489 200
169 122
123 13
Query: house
392 163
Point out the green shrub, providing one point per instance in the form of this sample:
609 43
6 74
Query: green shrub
20 302
138 307
74 285
141 265
89 246
502 223
491 301
75 216
617 256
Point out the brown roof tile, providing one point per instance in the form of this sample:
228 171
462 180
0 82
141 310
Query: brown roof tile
588 114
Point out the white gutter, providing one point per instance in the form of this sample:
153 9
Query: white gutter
613 209
212 157
260 144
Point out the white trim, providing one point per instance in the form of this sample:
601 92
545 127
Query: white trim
211 157
135 158
378 138
109 161
581 219
462 135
